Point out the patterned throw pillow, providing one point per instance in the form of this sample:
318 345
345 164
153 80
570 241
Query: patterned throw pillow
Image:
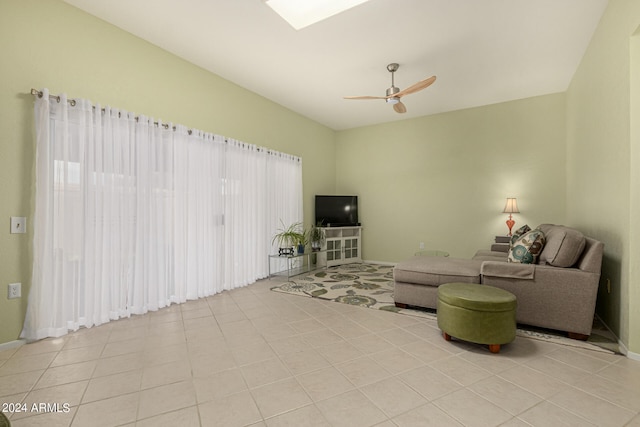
526 249
519 232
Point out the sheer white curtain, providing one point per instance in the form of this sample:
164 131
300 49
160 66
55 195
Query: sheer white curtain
133 215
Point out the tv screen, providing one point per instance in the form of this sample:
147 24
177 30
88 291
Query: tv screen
337 211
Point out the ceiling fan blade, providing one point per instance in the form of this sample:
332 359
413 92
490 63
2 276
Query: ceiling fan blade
422 84
365 97
399 107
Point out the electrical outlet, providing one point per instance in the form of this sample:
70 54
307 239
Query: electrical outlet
421 245
15 290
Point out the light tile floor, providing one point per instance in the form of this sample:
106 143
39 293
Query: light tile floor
259 358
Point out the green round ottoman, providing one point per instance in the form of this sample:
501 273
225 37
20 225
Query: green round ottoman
477 313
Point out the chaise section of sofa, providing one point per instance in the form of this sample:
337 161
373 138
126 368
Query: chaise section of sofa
557 293
417 279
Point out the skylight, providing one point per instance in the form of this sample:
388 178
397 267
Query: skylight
302 13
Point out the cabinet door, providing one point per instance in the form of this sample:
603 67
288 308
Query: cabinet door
334 250
351 248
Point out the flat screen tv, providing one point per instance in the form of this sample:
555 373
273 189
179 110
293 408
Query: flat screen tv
337 211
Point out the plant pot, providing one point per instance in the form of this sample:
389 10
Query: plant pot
285 251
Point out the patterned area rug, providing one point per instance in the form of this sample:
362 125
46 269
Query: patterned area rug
371 286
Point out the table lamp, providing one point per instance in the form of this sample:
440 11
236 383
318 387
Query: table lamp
511 207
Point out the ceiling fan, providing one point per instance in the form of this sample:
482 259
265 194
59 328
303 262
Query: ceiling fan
394 94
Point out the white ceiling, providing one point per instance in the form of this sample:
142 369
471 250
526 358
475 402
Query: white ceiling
482 51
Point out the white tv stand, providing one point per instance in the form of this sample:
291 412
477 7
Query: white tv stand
342 245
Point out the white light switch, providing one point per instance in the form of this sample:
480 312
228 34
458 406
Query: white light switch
18 224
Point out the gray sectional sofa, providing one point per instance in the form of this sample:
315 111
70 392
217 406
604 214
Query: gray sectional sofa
558 292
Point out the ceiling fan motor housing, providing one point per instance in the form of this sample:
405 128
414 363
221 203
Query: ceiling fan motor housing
390 92
392 68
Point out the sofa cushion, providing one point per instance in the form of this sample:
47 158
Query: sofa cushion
434 271
488 255
518 233
564 246
527 248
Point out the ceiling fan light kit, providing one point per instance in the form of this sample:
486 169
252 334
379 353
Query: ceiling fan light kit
392 99
394 94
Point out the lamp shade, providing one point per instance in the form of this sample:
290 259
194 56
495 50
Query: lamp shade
511 206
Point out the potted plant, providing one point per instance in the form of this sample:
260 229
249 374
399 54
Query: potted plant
287 238
317 237
302 240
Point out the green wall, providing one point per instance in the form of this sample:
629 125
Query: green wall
47 43
633 305
444 179
603 160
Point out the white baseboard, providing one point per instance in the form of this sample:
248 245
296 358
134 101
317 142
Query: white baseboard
631 355
623 348
366 261
12 344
